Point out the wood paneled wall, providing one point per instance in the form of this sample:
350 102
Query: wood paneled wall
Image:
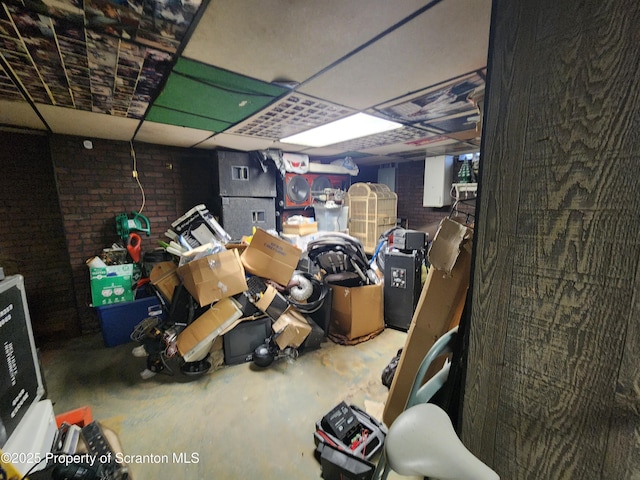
553 378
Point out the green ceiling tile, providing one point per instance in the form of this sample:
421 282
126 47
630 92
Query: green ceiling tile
190 96
226 79
183 119
206 91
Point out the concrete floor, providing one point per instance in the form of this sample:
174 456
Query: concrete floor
238 422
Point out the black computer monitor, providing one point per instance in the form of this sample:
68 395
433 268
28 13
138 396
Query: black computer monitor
242 340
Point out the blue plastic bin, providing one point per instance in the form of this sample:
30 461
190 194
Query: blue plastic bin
117 321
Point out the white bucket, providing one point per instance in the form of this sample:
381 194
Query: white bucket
327 217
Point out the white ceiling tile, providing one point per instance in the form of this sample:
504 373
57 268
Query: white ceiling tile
152 132
448 40
337 50
19 114
328 151
237 142
67 121
281 39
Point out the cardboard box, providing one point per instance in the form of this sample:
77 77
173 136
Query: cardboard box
217 352
214 277
302 241
299 228
357 311
113 284
272 303
439 309
271 257
292 329
447 243
165 278
195 341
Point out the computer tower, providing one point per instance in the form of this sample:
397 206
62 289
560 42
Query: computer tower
402 287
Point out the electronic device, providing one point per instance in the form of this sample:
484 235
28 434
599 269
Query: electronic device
315 337
239 215
76 471
98 446
266 298
402 287
299 190
340 421
349 428
407 240
240 342
71 438
241 174
340 464
27 423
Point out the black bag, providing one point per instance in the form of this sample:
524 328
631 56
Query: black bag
390 370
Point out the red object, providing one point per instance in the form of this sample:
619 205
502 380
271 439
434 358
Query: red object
142 282
80 416
299 188
133 246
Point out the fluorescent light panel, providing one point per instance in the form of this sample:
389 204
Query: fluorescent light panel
348 128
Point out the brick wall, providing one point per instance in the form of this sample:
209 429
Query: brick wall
97 185
32 242
409 187
60 201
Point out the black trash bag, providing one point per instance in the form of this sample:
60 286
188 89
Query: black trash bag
390 370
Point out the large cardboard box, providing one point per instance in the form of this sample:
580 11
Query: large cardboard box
439 309
214 277
292 329
357 311
197 339
113 284
271 257
165 278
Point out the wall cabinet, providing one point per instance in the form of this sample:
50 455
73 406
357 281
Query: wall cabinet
438 178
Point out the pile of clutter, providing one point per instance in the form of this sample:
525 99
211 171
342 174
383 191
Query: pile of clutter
213 288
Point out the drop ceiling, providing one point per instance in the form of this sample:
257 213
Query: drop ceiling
242 74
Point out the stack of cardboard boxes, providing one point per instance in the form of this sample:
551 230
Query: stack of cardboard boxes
214 280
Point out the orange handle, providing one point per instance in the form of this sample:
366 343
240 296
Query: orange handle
133 246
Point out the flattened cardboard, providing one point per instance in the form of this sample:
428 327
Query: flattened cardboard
214 277
271 257
165 278
447 242
357 311
204 329
292 328
266 298
439 309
